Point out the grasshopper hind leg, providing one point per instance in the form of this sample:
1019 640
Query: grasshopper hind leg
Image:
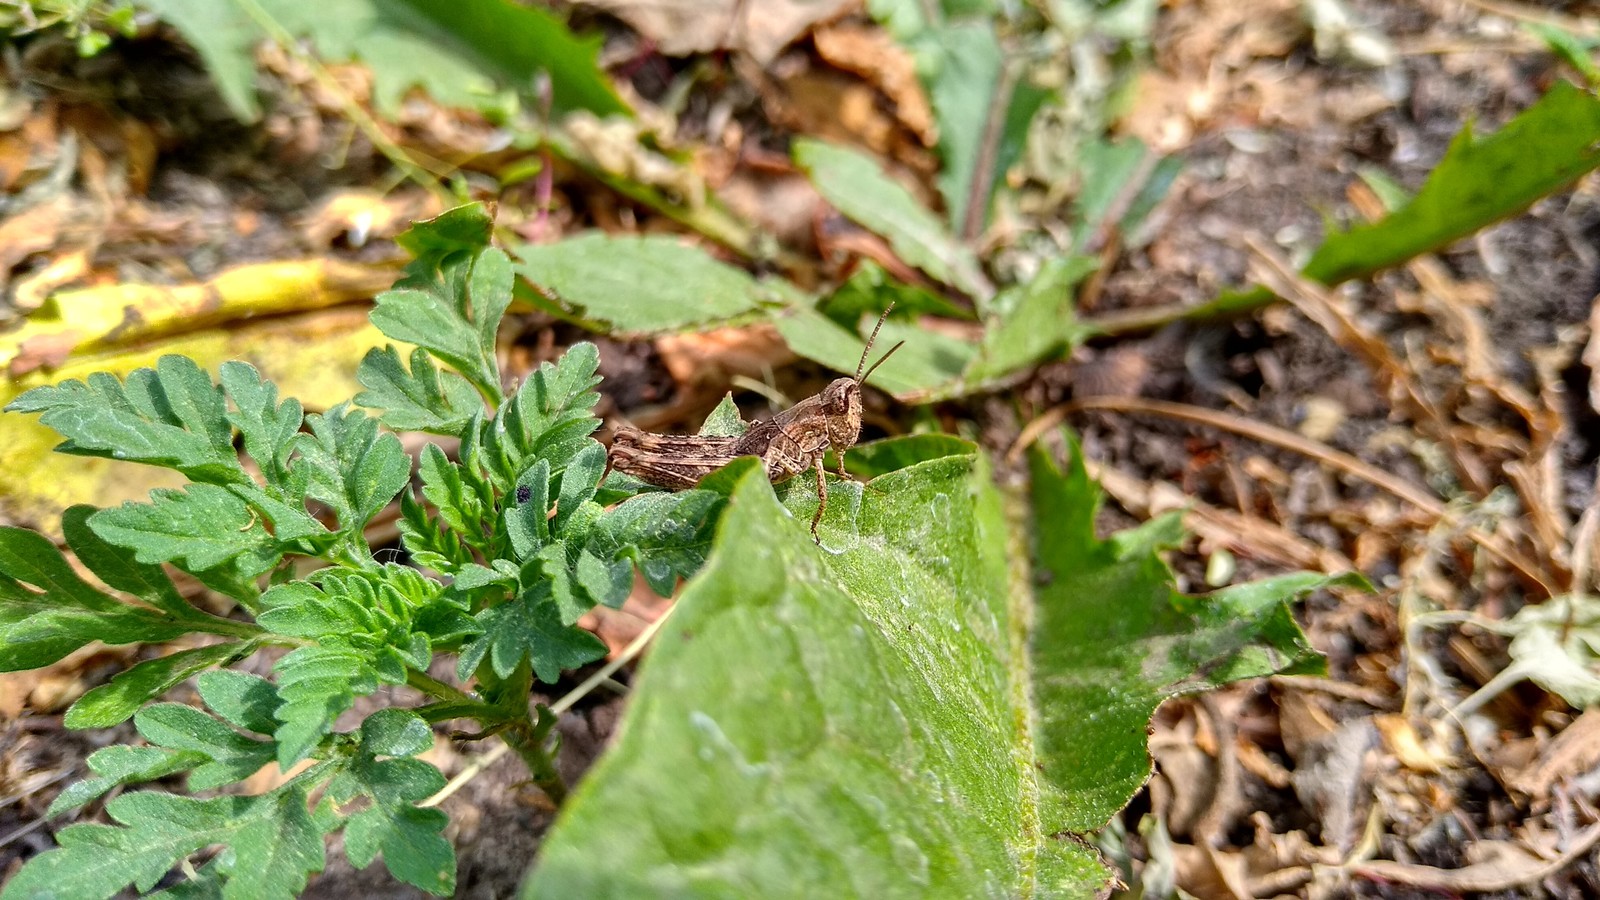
821 497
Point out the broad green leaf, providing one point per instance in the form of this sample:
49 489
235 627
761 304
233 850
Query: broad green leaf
875 703
170 416
47 611
1479 181
927 364
640 285
895 664
111 704
869 290
724 420
422 398
274 846
1035 320
463 52
857 187
1113 638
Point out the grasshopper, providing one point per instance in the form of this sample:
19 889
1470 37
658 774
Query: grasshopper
789 443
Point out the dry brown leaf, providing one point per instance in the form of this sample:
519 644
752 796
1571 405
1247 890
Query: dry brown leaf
1409 749
1575 751
875 56
1498 866
683 27
713 357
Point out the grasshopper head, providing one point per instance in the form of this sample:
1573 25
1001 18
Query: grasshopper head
841 403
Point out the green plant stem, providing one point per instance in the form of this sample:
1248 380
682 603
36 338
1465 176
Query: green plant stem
439 690
527 740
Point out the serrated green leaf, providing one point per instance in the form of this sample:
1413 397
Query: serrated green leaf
550 417
597 278
171 416
857 187
47 611
529 628
119 569
266 426
111 704
198 528
451 305
395 732
241 699
351 466
274 847
423 398
122 764
463 52
1479 181
410 839
666 535
724 420
578 483
528 511
230 756
316 685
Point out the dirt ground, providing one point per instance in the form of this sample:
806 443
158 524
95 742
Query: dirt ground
1257 784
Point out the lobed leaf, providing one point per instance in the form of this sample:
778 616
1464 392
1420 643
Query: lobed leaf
350 466
170 416
112 703
423 398
273 846
528 628
47 611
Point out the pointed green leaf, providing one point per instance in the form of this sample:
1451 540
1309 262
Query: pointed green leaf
111 704
597 277
170 416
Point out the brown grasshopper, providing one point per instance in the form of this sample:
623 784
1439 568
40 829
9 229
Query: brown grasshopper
789 443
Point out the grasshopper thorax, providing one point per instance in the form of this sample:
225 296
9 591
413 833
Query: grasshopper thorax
841 406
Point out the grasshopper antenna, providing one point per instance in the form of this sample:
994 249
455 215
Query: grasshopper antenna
868 348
